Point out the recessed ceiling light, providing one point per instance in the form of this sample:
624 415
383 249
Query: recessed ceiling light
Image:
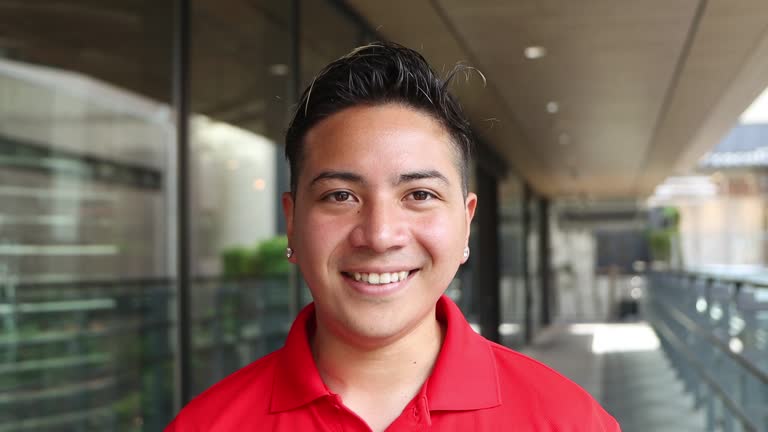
278 69
534 52
553 107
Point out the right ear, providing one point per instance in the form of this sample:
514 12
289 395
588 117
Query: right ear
288 205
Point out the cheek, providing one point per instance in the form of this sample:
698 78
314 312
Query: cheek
319 234
441 234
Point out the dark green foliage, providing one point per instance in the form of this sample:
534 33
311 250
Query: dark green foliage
266 259
236 261
661 244
270 258
660 238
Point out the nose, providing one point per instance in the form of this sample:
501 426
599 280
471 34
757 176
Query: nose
381 226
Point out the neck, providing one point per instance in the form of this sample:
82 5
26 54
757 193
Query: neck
386 376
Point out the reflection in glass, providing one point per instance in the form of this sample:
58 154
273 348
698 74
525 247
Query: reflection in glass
86 299
512 248
532 253
242 78
83 193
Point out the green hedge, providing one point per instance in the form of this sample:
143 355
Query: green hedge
265 259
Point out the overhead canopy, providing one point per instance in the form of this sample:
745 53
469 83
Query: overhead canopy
641 89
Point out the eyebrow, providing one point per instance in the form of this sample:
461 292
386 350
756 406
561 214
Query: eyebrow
337 175
356 178
422 175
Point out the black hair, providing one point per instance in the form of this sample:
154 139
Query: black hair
377 74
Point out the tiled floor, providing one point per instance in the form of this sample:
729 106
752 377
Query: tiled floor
632 379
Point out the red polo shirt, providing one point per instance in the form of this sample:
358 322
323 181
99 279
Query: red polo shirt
476 385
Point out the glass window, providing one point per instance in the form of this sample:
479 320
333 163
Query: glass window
534 276
512 245
241 96
86 300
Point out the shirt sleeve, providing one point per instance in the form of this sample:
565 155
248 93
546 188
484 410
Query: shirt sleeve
603 422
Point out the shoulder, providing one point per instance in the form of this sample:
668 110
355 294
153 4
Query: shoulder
246 390
557 401
538 378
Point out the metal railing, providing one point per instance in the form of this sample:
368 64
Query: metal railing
715 332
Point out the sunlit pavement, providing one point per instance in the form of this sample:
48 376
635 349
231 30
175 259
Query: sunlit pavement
622 366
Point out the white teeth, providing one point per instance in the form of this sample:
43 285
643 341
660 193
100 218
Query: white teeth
380 278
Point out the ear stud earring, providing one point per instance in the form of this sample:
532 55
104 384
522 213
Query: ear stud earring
288 252
466 252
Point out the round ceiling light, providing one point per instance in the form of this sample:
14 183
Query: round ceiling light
278 69
553 107
534 52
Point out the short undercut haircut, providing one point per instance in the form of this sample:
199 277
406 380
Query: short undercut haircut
377 74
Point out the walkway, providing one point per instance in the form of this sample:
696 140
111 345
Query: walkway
622 366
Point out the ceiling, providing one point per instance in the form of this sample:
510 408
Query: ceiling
642 89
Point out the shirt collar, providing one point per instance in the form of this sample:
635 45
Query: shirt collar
297 380
464 376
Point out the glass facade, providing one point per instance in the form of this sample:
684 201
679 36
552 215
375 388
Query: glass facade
533 277
241 88
86 199
89 183
512 245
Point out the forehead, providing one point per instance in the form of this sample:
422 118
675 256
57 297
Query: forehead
375 138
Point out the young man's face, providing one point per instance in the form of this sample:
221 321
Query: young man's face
379 221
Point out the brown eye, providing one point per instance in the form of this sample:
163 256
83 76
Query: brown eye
340 196
421 195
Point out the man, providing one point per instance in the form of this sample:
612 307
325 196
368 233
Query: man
378 221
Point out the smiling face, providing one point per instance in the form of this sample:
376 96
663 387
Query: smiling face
378 222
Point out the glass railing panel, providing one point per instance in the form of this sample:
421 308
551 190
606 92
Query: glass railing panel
236 321
713 330
90 356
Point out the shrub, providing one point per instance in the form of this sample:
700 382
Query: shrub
266 259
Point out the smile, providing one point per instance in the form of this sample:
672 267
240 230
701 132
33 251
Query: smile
380 278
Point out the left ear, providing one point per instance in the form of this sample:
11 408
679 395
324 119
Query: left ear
470 205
